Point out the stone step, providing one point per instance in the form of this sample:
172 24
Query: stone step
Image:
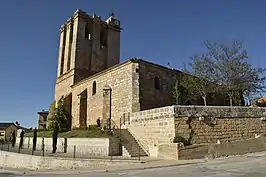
129 143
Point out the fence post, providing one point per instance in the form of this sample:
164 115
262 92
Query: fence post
28 142
74 151
43 150
131 150
42 144
111 154
19 147
139 153
32 151
65 145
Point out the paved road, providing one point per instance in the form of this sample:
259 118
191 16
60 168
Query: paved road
253 165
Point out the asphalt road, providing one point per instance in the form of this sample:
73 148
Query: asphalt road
252 165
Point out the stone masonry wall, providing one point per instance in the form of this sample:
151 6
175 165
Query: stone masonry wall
221 123
157 126
152 127
63 83
120 79
86 146
151 97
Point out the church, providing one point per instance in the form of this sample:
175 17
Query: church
92 81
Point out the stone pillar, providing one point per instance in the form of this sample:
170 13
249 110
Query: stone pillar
68 45
106 114
60 68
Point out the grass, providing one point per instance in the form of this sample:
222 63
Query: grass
78 133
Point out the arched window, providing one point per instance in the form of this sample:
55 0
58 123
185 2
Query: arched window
157 84
94 88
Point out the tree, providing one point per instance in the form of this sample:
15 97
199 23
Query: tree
34 139
55 135
61 118
235 75
21 139
13 138
198 79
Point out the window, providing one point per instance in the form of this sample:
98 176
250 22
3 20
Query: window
94 88
157 84
87 31
103 37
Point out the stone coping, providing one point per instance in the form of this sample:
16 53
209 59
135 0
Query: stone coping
220 111
213 111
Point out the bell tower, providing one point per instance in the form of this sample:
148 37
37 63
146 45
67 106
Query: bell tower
88 45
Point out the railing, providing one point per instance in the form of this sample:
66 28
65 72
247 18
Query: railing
71 151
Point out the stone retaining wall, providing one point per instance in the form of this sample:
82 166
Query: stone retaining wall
22 161
89 146
220 123
175 151
161 125
152 127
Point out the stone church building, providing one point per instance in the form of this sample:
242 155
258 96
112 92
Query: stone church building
93 82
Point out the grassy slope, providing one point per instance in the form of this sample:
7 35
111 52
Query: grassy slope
96 133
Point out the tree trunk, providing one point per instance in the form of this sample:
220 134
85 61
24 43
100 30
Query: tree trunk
205 100
231 100
177 99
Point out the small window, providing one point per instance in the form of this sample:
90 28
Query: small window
87 31
94 88
157 84
103 37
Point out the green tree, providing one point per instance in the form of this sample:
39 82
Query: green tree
55 135
61 118
21 139
198 78
13 138
34 139
236 76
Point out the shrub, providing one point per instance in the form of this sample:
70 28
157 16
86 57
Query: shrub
55 135
180 139
34 139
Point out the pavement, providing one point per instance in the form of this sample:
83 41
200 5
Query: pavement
249 165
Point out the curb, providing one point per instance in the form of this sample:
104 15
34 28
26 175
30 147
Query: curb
112 170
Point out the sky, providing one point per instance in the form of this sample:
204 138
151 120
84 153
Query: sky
158 31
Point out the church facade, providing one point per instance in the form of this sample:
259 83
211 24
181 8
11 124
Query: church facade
93 82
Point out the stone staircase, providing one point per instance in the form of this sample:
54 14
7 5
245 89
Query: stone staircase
129 143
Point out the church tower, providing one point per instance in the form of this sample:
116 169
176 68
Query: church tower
88 45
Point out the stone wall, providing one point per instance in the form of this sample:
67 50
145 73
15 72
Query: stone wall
150 96
152 127
237 147
158 126
220 123
93 147
120 80
22 161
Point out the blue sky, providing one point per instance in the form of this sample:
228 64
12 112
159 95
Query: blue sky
158 31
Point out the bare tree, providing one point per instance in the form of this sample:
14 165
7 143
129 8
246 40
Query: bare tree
231 68
198 77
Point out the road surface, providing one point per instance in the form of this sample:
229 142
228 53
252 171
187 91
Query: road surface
252 165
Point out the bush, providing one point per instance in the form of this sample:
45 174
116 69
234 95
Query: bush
180 139
55 135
